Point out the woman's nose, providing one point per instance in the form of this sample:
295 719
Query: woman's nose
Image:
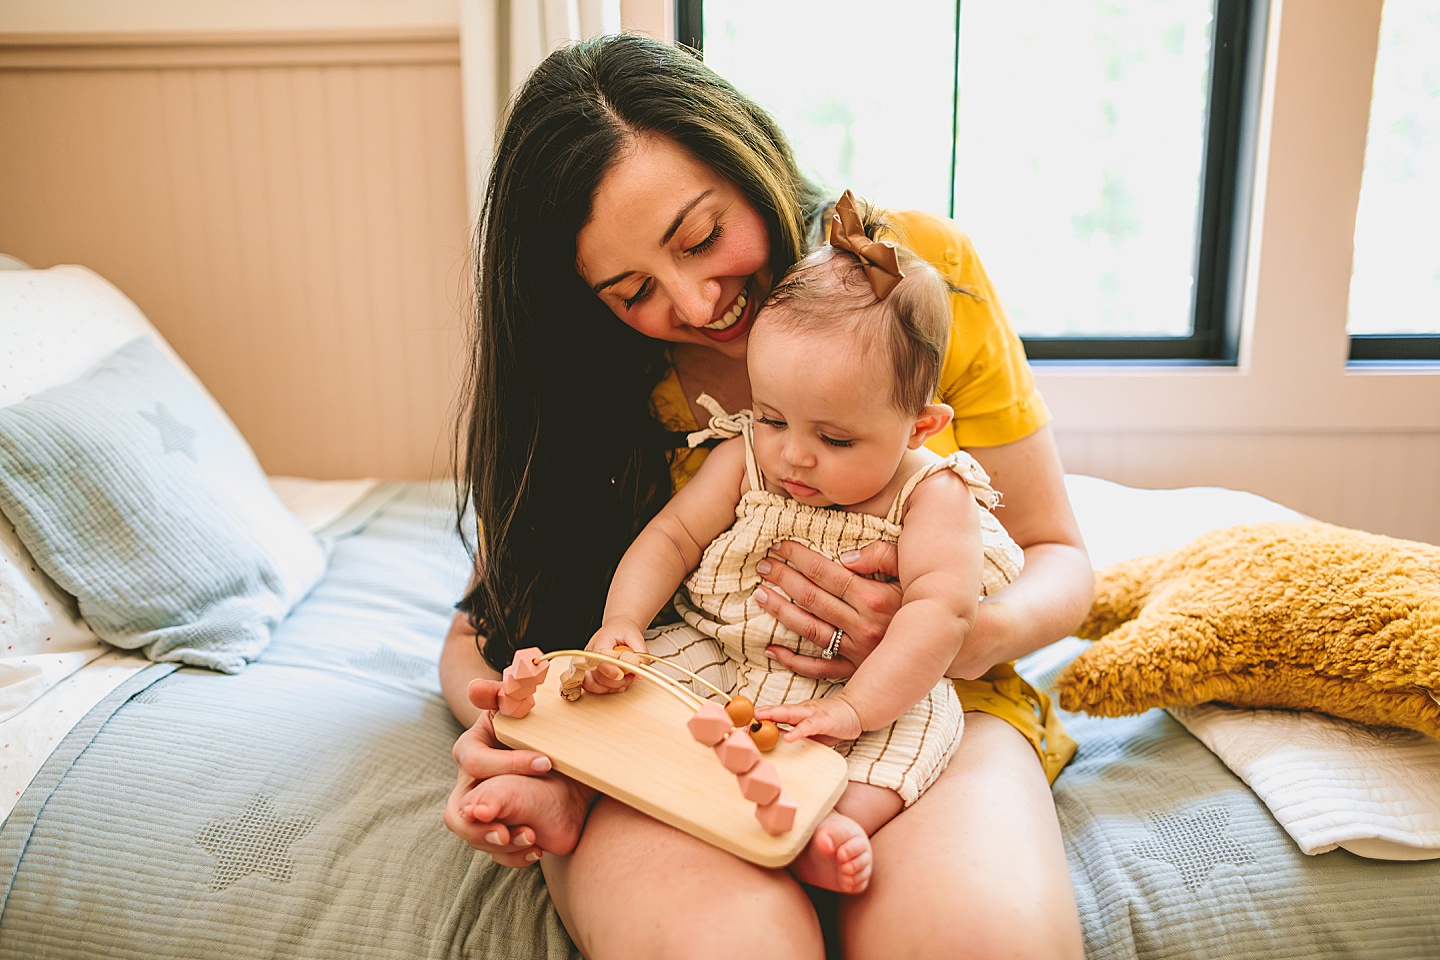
695 302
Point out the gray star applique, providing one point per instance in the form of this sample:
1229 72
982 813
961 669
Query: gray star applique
175 435
257 841
1193 845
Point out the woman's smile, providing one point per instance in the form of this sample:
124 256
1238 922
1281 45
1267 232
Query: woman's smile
735 321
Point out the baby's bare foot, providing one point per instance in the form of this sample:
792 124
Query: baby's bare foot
838 857
551 807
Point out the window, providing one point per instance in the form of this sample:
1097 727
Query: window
1395 280
1098 152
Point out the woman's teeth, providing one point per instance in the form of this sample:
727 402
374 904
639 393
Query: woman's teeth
731 316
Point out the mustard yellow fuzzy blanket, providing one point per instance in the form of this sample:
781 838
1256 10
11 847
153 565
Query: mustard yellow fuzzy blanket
1306 616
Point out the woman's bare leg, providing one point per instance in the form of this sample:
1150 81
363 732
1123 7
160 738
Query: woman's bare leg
975 868
635 888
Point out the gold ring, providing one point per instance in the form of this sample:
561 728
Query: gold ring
841 594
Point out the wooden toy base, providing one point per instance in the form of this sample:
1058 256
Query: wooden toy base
635 747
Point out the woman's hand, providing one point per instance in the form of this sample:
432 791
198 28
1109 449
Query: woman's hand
508 803
826 595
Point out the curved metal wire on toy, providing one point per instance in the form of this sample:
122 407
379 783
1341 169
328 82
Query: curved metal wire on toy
738 738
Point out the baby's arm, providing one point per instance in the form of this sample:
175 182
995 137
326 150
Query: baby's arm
669 547
941 561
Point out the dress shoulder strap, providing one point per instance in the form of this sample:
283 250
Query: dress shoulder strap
969 469
724 426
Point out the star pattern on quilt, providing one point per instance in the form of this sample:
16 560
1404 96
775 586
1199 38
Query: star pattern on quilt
175 435
1193 845
257 841
387 661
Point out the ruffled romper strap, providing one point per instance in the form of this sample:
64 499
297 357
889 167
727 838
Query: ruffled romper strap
724 426
963 464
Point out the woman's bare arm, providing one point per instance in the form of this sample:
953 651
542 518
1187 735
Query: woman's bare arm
1054 591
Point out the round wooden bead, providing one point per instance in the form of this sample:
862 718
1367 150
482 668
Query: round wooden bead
765 734
741 711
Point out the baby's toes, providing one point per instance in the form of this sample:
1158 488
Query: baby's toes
855 858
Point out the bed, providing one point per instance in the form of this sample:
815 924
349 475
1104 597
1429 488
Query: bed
292 808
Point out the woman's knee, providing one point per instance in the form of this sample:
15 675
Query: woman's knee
635 888
975 868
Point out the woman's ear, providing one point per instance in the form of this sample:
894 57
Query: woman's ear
932 420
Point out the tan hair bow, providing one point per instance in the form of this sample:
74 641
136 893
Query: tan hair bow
847 233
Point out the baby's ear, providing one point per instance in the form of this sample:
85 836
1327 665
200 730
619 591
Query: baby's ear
932 420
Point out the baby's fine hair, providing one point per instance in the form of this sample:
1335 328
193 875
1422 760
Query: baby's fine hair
829 291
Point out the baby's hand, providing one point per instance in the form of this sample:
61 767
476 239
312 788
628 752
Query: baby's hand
828 719
606 677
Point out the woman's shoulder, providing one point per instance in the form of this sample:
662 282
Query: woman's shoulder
929 236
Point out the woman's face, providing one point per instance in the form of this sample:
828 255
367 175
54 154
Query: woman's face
675 249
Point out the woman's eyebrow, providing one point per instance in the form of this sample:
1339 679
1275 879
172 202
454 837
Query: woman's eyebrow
611 281
680 217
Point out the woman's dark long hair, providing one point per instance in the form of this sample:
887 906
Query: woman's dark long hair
558 450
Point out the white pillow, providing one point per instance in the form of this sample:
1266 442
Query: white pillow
54 326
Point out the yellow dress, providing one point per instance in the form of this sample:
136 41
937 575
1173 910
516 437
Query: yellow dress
986 380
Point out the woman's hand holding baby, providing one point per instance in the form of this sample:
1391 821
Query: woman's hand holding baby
826 595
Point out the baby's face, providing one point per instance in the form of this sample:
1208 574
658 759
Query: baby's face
825 428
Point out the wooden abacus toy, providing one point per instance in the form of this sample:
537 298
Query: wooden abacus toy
635 747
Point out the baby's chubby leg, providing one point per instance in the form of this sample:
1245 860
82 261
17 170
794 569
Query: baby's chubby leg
838 856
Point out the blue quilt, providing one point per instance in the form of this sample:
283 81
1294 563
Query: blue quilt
294 811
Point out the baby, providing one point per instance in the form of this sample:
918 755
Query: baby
844 361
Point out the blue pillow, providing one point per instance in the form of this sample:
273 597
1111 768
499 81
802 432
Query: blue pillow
135 495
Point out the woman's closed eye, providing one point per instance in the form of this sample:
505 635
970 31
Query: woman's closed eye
707 243
640 294
699 248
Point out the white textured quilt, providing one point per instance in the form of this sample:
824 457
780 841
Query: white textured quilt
1331 783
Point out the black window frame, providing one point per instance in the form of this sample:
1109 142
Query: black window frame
1227 192
1394 348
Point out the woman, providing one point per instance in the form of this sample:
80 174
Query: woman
632 182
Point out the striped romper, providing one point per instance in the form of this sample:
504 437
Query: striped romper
725 632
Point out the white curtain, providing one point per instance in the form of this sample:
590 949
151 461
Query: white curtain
501 41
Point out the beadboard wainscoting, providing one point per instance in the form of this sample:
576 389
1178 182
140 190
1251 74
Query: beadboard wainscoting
288 208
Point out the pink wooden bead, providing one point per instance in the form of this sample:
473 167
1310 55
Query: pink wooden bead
515 707
778 815
761 783
710 724
738 752
526 666
515 686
